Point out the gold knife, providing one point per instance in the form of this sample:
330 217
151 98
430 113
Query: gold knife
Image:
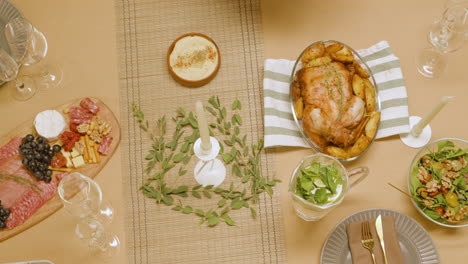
379 228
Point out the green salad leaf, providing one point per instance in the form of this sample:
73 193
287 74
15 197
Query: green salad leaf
318 182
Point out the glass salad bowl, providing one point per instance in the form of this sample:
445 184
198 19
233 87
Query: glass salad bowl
438 182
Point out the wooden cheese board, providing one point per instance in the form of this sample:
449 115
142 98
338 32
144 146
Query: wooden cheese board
90 170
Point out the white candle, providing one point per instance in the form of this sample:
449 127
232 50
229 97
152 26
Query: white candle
203 127
417 129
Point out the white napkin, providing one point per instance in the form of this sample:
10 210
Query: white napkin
280 128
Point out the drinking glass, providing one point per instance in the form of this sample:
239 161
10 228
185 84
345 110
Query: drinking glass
313 212
82 197
29 47
447 34
24 86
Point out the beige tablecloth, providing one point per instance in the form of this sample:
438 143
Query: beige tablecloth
82 37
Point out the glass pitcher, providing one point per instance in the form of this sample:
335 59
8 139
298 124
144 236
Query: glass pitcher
310 211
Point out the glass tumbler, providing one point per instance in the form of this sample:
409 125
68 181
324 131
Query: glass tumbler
82 197
310 211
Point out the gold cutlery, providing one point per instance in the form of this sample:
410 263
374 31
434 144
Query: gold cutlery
367 240
379 228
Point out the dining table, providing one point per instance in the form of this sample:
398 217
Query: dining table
83 38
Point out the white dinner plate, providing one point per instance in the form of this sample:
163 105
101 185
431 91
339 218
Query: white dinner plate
7 12
415 242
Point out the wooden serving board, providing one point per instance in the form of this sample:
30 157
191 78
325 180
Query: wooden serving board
90 170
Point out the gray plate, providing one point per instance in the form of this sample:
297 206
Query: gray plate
415 242
7 12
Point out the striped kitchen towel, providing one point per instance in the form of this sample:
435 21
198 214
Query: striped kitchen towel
280 128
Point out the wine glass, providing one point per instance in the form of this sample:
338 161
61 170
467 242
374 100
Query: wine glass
29 47
448 34
24 86
82 197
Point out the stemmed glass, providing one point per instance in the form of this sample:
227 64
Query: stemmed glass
448 34
82 197
24 86
28 46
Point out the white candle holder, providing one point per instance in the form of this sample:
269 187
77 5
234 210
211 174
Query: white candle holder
209 170
206 155
416 141
212 172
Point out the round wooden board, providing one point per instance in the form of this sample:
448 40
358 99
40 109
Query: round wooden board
90 170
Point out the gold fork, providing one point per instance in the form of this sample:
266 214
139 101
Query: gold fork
367 240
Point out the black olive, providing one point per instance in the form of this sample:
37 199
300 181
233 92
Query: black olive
33 144
31 165
25 161
23 150
27 145
29 137
2 225
38 173
40 147
47 179
3 218
6 211
37 156
50 153
40 139
29 156
56 148
46 159
42 166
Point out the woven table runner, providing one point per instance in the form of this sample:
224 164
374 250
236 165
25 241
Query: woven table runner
155 233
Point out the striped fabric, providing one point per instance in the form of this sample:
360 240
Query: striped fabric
280 128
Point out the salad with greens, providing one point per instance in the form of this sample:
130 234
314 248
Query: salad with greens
319 183
439 183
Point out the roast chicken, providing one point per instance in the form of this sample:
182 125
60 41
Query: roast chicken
332 112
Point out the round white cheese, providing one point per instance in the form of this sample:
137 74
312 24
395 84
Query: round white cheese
194 58
50 124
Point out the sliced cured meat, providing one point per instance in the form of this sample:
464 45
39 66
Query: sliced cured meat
105 145
30 202
79 115
10 149
58 160
10 190
78 121
89 105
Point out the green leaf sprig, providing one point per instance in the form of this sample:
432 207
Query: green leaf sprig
165 155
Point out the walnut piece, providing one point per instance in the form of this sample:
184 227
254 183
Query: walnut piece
96 136
82 128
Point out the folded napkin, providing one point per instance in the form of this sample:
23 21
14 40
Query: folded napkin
361 255
280 128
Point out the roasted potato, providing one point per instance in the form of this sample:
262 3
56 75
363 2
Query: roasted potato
370 96
296 91
351 70
313 52
343 55
299 108
359 86
336 152
333 48
359 146
317 62
360 71
372 125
